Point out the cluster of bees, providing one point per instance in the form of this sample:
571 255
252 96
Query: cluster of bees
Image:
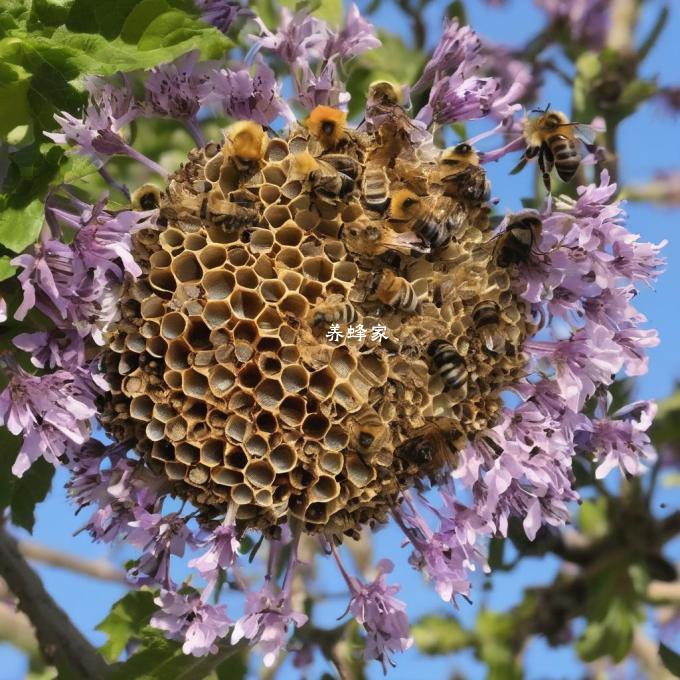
222 376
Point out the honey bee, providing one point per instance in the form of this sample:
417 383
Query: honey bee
395 291
486 317
465 180
375 187
515 244
368 433
554 139
147 197
376 238
448 364
435 220
327 125
431 446
333 310
244 147
386 116
324 181
344 164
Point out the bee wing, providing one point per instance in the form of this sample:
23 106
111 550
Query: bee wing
407 240
586 133
520 166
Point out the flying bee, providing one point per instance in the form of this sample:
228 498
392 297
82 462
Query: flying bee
486 317
516 243
323 179
465 179
368 433
396 292
147 197
333 310
327 125
376 238
555 140
375 187
448 364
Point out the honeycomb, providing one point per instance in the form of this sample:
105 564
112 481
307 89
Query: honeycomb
223 375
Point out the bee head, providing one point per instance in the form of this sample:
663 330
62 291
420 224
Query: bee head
461 153
246 140
386 93
403 204
327 124
147 197
366 439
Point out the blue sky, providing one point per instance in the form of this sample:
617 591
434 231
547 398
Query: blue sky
650 142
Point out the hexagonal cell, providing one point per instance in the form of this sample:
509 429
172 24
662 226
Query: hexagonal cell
342 362
274 175
235 458
266 422
216 314
212 257
152 307
245 304
163 280
198 335
160 259
243 351
176 429
336 438
289 234
272 290
332 462
312 290
261 241
290 258
198 475
276 215
220 380
315 425
155 430
249 376
194 384
283 458
269 393
292 410
268 321
187 454
318 269
345 271
322 382
163 451
212 452
291 280
218 285
141 408
194 242
289 354
295 305
226 476
241 494
175 471
269 364
325 489
246 331
177 355
269 194
171 239
287 334
294 378
173 325
255 446
269 344
186 267
239 257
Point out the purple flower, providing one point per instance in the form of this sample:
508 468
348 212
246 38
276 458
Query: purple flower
221 13
458 51
160 536
355 37
266 620
58 347
247 98
117 103
621 441
191 621
221 554
322 89
587 20
50 411
173 89
3 310
300 38
383 617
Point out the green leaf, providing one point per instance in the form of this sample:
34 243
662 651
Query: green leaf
440 635
30 490
9 447
671 659
15 83
160 659
20 227
127 618
456 10
49 12
649 42
496 550
7 271
235 668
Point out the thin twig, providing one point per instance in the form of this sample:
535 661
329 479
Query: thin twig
61 643
100 569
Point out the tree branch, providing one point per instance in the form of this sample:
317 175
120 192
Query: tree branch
100 569
61 642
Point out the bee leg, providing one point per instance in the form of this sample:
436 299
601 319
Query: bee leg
545 173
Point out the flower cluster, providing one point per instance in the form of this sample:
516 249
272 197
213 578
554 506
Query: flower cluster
579 282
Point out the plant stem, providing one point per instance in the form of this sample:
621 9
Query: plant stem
61 642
